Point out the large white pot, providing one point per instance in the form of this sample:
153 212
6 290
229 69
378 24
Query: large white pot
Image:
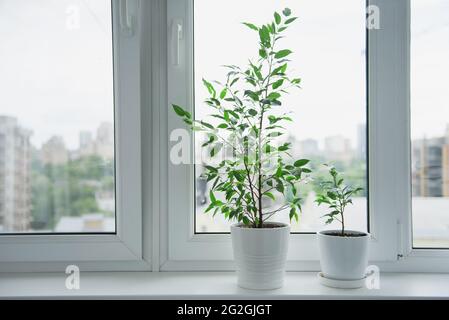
343 258
260 255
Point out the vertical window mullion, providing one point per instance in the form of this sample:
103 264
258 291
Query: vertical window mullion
389 130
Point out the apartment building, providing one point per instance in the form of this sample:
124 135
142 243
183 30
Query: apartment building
15 188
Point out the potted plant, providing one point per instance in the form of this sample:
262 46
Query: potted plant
247 119
343 253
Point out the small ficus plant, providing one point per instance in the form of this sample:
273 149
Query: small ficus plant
248 110
337 196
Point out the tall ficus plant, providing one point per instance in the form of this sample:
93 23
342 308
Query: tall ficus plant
250 122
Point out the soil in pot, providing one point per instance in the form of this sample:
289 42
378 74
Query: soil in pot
265 226
347 234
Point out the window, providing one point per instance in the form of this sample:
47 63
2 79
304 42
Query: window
139 57
430 123
336 34
57 140
70 147
329 45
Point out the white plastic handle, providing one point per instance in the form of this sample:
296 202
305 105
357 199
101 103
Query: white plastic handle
177 35
126 19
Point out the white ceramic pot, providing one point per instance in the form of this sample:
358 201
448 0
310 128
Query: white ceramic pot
343 258
260 255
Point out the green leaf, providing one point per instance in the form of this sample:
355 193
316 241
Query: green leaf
280 187
279 70
282 29
210 207
252 112
252 95
284 147
273 119
293 214
301 162
267 148
277 18
223 93
210 88
290 20
264 35
251 26
287 12
233 113
270 195
179 111
226 116
332 195
275 134
274 96
282 54
207 125
210 168
216 149
277 84
234 81
212 197
278 172
263 53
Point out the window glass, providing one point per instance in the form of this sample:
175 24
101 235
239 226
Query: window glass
56 117
328 41
430 122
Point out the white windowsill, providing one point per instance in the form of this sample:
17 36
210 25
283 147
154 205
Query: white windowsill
211 285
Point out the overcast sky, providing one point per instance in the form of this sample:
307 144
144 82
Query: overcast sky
430 67
55 79
59 81
328 41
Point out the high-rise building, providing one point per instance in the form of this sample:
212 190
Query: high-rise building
338 148
87 144
54 151
104 144
86 139
430 167
308 147
361 141
15 172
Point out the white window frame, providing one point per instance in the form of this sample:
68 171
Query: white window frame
389 157
125 249
155 219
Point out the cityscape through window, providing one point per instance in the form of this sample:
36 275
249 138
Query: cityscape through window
328 43
56 117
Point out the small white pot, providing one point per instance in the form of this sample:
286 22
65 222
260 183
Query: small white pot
343 258
260 255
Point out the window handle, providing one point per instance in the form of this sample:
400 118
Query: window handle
126 19
177 35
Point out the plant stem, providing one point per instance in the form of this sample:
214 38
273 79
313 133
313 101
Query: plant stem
260 172
250 184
